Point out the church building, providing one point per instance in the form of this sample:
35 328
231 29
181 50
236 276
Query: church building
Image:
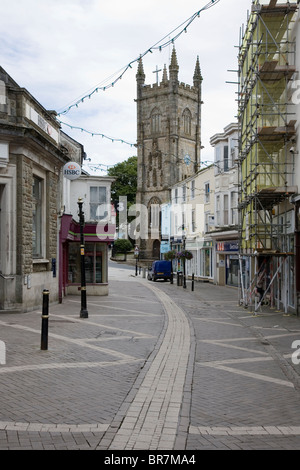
168 142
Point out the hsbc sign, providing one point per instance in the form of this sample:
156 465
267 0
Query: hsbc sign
72 171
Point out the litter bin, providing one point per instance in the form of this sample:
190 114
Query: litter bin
179 278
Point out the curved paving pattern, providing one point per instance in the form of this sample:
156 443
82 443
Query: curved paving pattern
152 411
152 415
152 419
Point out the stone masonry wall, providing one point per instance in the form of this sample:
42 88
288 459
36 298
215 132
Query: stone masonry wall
24 215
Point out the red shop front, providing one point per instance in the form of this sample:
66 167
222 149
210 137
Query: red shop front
96 258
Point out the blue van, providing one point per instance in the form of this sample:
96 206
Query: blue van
160 270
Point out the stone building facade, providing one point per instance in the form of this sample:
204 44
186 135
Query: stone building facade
168 141
33 151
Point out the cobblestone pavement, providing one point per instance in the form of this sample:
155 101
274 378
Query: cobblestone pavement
154 366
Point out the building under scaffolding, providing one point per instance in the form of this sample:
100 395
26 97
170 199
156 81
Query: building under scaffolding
267 66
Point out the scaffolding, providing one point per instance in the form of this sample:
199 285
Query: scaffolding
267 59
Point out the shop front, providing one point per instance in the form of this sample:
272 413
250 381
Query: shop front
227 263
96 259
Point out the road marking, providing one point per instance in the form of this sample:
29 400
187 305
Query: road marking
65 365
264 378
48 427
245 430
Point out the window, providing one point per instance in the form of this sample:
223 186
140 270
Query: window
94 267
184 193
226 162
155 121
217 160
206 262
187 120
176 195
218 210
233 208
193 190
207 193
206 221
37 218
225 209
4 153
232 151
193 220
98 209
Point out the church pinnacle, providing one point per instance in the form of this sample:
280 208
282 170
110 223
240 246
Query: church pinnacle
140 75
174 67
197 74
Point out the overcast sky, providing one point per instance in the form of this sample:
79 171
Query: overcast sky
62 50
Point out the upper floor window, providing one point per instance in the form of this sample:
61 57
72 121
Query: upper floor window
184 193
176 195
187 121
218 160
207 192
98 209
226 158
155 121
193 189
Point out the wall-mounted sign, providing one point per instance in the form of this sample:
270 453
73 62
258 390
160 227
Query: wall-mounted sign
227 246
72 171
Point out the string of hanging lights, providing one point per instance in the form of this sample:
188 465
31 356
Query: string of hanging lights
161 44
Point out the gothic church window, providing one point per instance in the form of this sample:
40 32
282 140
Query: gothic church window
187 121
155 121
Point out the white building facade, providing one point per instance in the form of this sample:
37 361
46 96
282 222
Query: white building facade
225 233
191 219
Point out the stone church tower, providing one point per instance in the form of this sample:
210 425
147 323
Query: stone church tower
168 141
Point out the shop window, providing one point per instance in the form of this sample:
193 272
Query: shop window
206 262
95 271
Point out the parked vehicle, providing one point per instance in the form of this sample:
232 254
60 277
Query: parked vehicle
160 270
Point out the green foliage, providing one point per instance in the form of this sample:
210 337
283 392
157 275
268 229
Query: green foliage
170 255
122 245
126 180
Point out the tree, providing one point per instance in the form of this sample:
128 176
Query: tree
122 245
125 184
126 180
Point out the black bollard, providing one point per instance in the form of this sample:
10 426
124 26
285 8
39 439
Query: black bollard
193 282
45 318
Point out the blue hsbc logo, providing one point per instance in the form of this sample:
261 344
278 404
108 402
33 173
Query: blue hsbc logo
72 170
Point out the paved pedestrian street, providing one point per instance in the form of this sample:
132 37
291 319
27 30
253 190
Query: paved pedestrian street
154 367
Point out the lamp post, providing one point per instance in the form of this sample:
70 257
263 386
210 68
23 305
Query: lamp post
184 275
83 311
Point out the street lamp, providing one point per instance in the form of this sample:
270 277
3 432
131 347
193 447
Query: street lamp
83 311
184 275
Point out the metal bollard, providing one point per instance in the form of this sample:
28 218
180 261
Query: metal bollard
45 318
193 282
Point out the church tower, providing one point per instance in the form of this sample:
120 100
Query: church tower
168 139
